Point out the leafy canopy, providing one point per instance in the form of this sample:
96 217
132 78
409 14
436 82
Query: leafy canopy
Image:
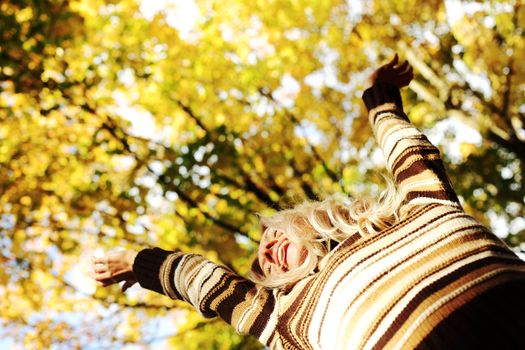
124 125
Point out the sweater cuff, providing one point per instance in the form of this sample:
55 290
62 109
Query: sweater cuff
146 267
381 93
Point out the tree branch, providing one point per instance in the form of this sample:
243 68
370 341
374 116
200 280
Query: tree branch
331 174
192 115
217 221
250 186
514 145
307 189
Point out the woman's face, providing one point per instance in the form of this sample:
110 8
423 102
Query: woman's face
277 253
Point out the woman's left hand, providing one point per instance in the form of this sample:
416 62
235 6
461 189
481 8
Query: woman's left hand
392 73
115 267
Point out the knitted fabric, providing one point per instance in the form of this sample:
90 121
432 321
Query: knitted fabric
437 279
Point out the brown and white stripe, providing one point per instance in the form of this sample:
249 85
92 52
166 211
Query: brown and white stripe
424 282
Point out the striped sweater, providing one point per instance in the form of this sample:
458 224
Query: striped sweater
435 280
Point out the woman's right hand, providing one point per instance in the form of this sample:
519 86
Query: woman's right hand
399 76
114 267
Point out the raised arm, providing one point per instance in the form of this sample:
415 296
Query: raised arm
212 289
412 160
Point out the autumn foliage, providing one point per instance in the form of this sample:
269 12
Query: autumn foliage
126 124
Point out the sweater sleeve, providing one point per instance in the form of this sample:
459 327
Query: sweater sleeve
212 289
413 161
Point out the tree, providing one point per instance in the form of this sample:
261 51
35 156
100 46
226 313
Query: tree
126 126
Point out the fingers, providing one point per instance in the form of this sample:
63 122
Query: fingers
102 276
405 71
406 76
104 279
98 269
99 259
392 73
399 75
393 61
402 67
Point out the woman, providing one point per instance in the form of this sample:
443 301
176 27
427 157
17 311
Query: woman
412 270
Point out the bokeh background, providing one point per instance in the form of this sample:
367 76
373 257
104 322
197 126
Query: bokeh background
127 124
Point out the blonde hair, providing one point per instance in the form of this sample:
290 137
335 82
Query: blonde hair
317 225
